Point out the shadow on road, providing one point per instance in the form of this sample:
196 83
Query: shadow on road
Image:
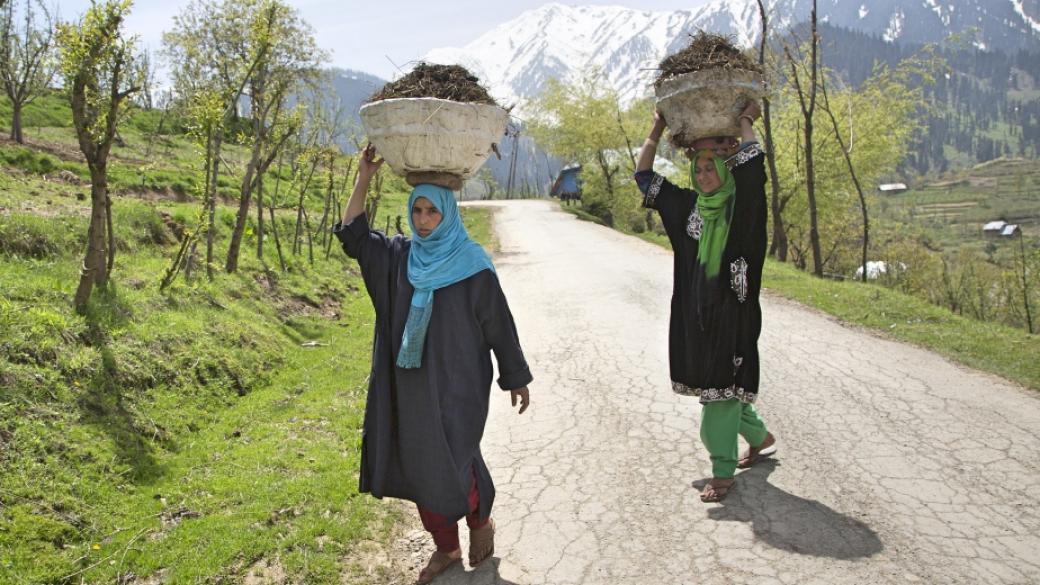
486 573
791 523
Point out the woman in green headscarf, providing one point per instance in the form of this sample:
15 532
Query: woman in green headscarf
718 236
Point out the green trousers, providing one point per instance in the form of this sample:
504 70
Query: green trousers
721 422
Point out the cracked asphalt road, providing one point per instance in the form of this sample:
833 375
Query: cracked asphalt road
894 465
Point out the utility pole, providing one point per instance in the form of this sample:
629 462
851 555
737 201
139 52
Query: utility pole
512 164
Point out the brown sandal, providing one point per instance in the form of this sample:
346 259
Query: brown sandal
755 454
481 543
716 490
438 563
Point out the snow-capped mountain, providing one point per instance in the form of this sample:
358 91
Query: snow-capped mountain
516 58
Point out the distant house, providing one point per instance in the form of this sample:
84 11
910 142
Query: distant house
1010 230
876 269
892 187
994 228
568 184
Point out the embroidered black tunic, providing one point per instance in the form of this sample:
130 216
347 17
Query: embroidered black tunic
713 330
423 426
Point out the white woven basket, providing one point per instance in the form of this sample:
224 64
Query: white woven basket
433 135
707 103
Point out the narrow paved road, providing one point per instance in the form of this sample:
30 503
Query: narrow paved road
895 466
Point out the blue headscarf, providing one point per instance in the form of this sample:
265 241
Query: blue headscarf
441 259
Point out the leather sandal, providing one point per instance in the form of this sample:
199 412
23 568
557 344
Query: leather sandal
437 564
755 454
716 490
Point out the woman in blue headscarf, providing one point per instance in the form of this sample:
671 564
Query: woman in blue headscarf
440 312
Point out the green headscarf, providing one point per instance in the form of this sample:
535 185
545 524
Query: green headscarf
716 209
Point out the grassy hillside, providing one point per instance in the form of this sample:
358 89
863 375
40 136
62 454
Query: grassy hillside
953 208
200 434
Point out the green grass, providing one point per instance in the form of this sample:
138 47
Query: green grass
187 433
990 347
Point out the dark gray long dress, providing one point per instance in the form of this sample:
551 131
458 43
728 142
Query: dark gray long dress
423 426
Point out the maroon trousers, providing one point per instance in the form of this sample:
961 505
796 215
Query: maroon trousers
445 532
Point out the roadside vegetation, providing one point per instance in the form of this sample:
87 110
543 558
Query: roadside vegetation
922 250
188 422
195 433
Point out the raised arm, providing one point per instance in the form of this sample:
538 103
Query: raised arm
368 166
649 150
747 118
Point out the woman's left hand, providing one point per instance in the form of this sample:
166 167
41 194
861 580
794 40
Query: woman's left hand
752 109
525 398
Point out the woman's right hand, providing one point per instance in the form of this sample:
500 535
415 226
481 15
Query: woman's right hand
659 121
659 126
368 164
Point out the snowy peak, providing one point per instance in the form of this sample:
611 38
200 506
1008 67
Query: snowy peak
557 41
624 45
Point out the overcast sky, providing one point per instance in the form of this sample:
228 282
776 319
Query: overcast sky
367 35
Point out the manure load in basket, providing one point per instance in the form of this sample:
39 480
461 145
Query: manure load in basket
703 88
436 124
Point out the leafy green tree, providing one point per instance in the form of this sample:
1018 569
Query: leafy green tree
100 73
584 123
872 126
261 50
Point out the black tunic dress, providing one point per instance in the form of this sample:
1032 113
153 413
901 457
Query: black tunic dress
423 426
714 328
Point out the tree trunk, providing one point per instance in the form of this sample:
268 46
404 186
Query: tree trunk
810 174
94 270
1025 283
778 247
260 217
111 233
189 262
336 214
243 209
212 172
810 189
329 195
846 151
277 242
310 242
16 123
808 107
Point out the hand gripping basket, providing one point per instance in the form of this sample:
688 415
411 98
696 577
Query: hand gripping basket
424 138
707 102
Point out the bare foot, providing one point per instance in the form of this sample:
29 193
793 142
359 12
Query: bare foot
481 543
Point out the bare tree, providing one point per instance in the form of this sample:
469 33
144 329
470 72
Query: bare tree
147 94
807 103
27 63
778 245
100 73
846 151
291 62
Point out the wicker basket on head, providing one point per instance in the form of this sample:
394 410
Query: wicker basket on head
703 88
